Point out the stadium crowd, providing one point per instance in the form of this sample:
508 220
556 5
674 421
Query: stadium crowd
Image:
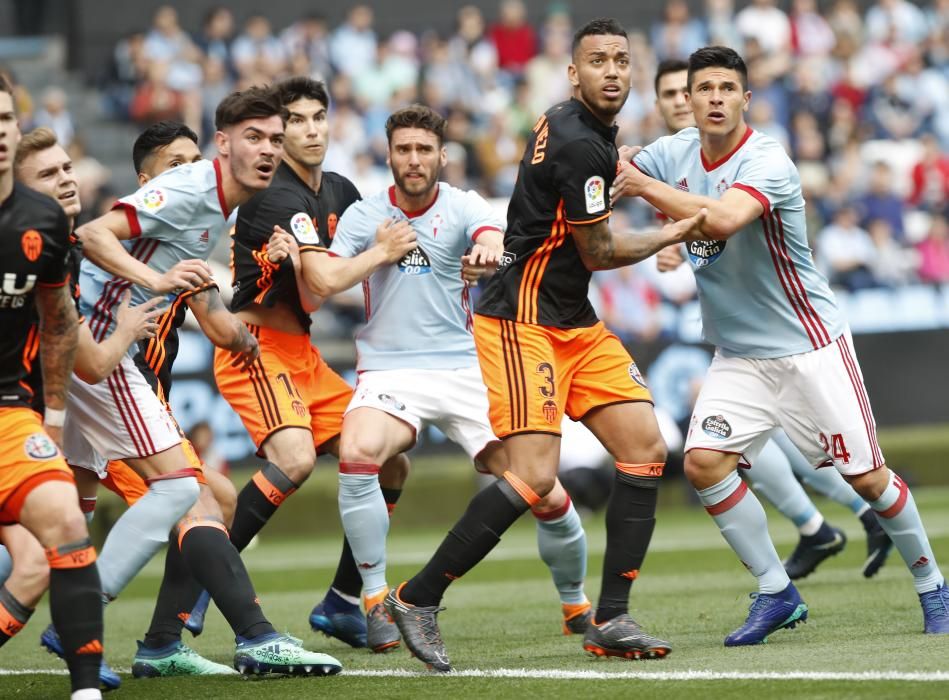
859 99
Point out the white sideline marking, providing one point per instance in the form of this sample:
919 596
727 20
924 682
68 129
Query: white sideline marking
554 674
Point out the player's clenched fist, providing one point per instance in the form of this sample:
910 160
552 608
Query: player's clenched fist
482 260
396 239
282 246
185 275
629 182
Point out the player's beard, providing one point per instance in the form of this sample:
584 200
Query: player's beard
594 97
418 188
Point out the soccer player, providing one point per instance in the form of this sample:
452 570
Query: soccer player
37 488
291 401
784 354
417 362
543 352
176 220
779 461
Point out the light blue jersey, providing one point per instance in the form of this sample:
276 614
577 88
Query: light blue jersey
418 314
179 215
760 294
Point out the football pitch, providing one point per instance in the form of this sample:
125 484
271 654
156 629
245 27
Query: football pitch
502 624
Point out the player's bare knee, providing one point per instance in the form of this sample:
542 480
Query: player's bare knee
541 483
870 485
297 467
32 569
70 526
225 494
362 449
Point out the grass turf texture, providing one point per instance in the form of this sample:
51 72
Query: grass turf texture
505 615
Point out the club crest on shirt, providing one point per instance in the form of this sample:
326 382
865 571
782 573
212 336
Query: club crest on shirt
40 446
32 244
636 375
721 187
301 225
154 199
436 222
595 192
717 427
704 253
415 262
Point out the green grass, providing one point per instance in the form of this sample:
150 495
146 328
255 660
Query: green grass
504 614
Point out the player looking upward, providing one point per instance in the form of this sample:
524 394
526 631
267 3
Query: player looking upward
784 355
543 352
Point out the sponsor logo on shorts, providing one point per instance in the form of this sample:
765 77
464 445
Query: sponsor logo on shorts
636 375
40 446
704 253
416 262
391 402
717 427
595 191
550 411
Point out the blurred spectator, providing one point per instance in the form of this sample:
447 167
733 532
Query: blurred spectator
761 118
257 52
55 115
545 74
880 201
217 85
631 306
353 43
846 252
720 23
678 34
897 20
202 439
154 100
217 35
513 38
811 34
930 176
934 252
397 68
127 68
471 47
894 265
763 21
845 20
308 38
167 43
91 175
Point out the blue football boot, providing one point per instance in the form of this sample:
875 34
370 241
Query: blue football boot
339 618
50 641
195 621
936 610
769 613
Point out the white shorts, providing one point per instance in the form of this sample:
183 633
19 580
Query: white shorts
817 397
454 400
120 417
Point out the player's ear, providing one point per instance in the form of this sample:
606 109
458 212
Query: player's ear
142 179
222 142
572 75
443 157
747 104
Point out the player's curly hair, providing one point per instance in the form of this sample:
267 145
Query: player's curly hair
416 116
253 103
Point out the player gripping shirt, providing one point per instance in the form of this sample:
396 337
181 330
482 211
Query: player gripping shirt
179 215
290 385
33 248
543 351
419 318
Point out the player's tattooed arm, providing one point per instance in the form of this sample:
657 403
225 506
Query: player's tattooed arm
726 216
222 327
59 339
601 248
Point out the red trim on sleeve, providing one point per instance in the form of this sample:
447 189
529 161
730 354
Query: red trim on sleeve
53 285
724 159
220 189
762 200
131 216
474 236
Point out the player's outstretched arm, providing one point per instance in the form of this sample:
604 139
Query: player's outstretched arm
603 249
101 244
222 327
484 258
326 274
59 338
726 216
96 361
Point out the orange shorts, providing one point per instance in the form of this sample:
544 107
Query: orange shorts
28 458
125 482
535 374
289 386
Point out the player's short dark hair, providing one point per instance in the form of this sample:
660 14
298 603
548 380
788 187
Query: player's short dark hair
670 65
158 135
253 103
416 116
602 26
718 57
300 87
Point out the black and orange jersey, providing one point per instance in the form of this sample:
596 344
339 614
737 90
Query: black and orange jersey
34 246
156 356
564 179
309 216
